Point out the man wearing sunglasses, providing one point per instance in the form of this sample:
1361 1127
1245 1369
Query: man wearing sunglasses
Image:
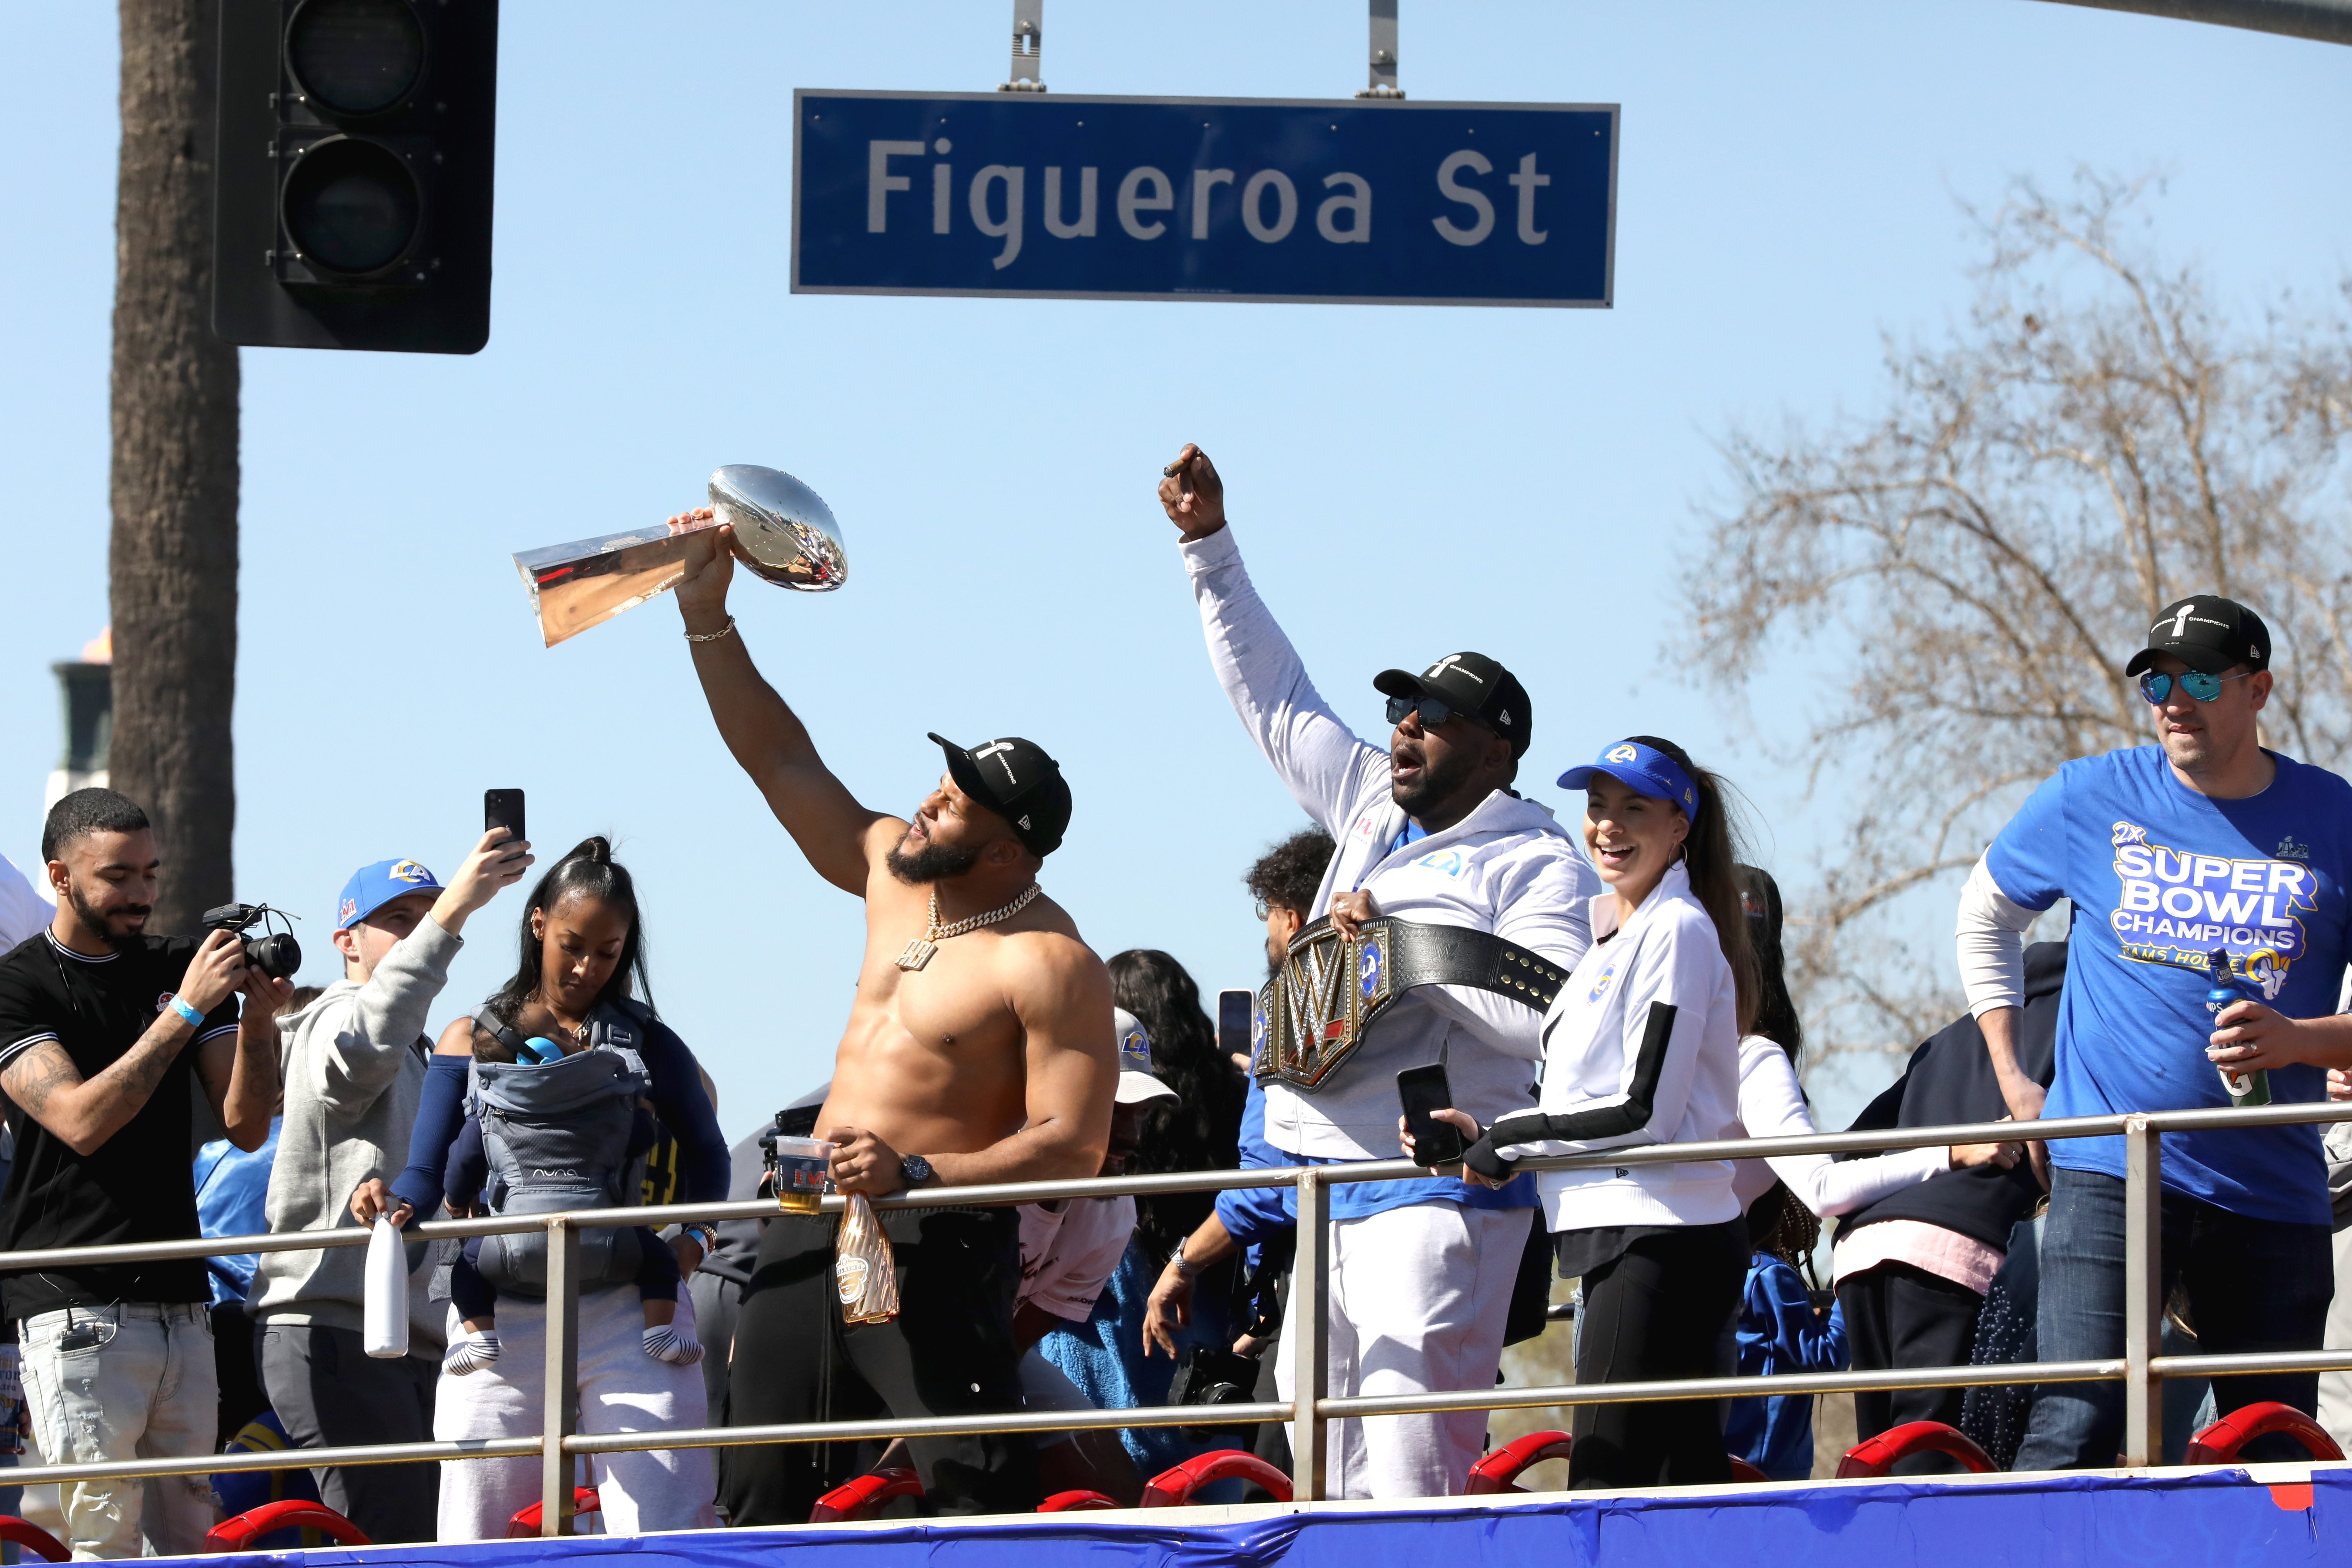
2200 850
1429 832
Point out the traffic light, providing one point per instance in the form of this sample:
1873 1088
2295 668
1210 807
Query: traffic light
353 174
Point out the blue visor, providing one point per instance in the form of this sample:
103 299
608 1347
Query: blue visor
1641 769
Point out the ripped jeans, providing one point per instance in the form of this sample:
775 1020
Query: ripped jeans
136 1383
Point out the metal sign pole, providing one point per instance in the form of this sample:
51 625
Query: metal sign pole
1383 76
1028 47
2143 1293
560 1415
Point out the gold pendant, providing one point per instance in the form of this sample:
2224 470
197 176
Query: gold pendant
918 953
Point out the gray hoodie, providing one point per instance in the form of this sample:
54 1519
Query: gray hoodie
354 1065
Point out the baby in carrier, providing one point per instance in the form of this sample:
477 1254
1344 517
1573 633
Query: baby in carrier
543 1132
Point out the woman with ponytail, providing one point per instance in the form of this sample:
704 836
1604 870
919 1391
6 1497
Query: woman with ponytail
1641 1045
579 985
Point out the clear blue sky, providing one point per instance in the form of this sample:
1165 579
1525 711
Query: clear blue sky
1405 481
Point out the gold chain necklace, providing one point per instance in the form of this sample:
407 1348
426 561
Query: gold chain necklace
918 951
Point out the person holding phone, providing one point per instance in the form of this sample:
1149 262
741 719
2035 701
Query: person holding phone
1643 1046
354 1075
1431 834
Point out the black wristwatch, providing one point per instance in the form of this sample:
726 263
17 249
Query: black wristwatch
914 1171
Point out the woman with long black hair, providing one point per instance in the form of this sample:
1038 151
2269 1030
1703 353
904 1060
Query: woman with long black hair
579 985
1198 1129
1641 1045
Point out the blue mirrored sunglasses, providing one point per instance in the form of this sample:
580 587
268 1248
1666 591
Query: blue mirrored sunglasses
2196 683
1434 711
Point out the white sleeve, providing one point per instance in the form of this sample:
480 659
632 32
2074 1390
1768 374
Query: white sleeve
1771 1106
1829 1186
1319 760
23 911
1992 943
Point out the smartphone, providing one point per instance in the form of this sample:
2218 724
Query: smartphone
1423 1090
1233 1021
503 808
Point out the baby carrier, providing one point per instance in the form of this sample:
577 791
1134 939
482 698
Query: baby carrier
556 1137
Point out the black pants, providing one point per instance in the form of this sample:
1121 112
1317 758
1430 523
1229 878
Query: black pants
949 1352
1655 1311
1900 1316
236 1369
329 1392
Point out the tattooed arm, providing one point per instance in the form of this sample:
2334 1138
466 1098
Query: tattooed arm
85 1112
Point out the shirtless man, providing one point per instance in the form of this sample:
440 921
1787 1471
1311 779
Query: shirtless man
979 1049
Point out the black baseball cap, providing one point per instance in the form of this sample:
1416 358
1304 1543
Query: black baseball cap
1015 779
1470 683
2209 633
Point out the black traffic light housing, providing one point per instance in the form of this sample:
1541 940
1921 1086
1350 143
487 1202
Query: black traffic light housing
353 174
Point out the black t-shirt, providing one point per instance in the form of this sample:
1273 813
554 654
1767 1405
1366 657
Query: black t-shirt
138 1185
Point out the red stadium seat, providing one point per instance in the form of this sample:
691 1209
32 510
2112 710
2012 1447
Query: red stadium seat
1498 1470
1873 1455
1742 1471
525 1523
1170 1489
863 1498
1076 1502
2218 1443
292 1513
33 1538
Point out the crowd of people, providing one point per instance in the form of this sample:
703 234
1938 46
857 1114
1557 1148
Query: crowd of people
1543 987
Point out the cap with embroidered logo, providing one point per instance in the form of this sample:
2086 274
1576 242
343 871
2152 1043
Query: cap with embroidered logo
1473 684
1015 779
1136 1082
2207 633
372 887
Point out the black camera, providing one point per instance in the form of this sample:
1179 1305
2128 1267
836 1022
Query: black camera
275 953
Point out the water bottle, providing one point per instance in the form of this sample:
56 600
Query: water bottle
2244 1088
385 1315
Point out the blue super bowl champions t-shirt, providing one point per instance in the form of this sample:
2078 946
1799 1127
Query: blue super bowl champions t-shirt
2160 876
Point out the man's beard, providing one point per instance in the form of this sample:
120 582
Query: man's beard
1438 780
931 863
94 924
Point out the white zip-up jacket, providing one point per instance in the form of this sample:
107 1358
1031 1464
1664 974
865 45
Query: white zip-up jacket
1607 1084
1508 868
1772 1106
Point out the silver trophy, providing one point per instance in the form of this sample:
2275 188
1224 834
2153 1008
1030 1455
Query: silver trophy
784 534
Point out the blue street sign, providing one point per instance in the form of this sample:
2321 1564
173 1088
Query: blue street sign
1050 197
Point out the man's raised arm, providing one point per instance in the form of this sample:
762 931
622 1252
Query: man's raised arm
768 742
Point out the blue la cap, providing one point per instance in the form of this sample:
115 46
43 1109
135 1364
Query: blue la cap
1643 769
372 887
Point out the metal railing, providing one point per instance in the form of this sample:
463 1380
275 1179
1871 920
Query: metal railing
1312 1408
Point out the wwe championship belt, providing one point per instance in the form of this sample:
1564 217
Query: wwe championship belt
1313 1014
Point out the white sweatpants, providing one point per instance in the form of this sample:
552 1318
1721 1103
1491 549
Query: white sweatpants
621 1389
1419 1298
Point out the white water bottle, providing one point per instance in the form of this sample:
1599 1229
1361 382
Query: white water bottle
386 1292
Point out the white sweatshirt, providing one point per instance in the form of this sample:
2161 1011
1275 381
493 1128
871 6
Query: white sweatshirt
1771 1106
1596 1064
1508 868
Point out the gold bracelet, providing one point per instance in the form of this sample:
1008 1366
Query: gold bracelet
712 637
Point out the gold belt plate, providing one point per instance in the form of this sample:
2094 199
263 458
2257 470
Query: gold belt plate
1309 1020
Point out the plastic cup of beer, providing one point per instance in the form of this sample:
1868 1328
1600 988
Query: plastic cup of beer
802 1166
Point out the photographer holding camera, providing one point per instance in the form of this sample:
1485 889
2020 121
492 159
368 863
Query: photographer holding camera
97 1019
354 1075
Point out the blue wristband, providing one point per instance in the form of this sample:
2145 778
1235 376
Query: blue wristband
195 1019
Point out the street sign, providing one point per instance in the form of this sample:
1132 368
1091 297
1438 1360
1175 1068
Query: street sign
1052 197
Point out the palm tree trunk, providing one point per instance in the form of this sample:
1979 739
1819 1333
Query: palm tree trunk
173 555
